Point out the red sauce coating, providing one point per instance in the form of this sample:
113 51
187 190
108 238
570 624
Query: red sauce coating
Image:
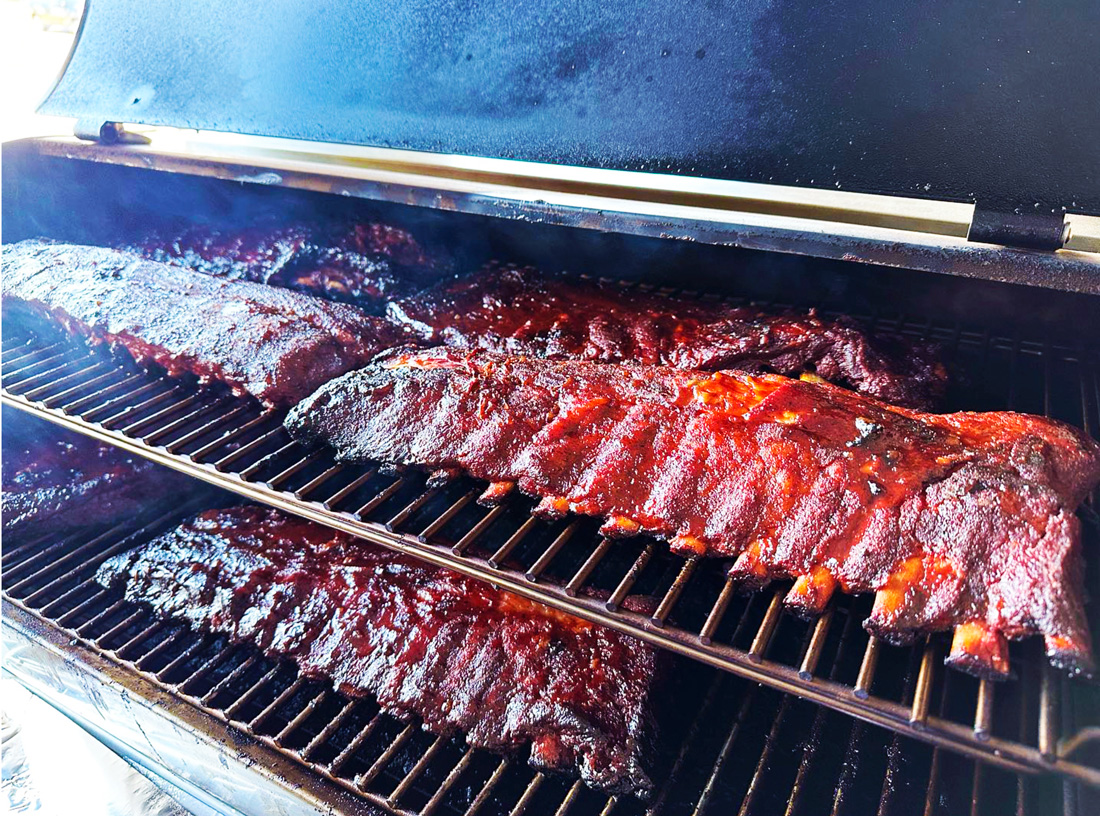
527 313
953 519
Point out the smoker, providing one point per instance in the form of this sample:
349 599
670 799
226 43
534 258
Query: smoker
932 171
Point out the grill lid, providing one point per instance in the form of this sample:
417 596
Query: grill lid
940 99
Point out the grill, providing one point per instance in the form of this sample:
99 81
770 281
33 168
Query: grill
760 140
767 758
1039 722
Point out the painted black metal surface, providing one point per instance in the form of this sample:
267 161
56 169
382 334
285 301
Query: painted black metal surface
996 102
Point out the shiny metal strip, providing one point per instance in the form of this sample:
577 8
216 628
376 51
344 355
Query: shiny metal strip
415 771
247 448
664 609
528 794
448 783
627 583
405 512
586 569
543 561
718 610
767 626
441 520
36 393
884 230
363 780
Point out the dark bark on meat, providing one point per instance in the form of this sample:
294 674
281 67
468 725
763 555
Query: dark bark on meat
953 519
522 312
425 641
56 482
271 343
359 263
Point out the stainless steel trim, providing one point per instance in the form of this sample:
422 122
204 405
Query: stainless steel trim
883 230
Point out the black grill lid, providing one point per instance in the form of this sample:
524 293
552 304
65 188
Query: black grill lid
997 103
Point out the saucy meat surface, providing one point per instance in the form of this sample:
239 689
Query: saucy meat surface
954 520
527 313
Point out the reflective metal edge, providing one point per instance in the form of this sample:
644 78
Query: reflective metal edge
896 717
883 230
221 766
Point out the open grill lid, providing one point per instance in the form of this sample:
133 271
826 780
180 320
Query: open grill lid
944 100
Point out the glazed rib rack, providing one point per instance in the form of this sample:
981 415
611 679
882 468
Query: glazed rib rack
731 746
1038 722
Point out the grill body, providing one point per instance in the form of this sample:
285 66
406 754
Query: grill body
841 724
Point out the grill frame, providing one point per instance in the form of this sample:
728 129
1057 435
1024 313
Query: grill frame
181 427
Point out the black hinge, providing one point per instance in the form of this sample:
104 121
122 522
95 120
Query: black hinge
108 133
1031 231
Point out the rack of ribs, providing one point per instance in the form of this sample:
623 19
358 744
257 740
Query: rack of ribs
961 521
425 641
359 263
524 312
56 482
272 343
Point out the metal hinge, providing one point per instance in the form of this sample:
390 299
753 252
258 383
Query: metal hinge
1031 231
108 133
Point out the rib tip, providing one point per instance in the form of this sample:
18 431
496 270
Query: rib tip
551 508
811 593
441 477
749 569
979 650
495 493
1070 655
620 527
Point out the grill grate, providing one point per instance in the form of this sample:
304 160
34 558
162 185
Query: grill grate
232 443
774 755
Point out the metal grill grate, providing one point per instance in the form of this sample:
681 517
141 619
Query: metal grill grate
773 753
1040 722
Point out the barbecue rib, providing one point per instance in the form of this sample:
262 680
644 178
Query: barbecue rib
360 263
423 640
957 520
520 311
260 340
56 482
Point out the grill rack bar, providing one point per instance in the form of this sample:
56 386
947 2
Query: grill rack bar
267 471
